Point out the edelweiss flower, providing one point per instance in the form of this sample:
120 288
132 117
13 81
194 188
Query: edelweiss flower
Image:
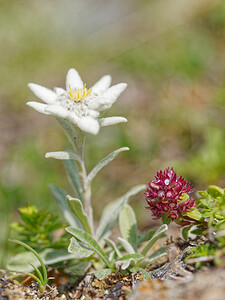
164 195
78 105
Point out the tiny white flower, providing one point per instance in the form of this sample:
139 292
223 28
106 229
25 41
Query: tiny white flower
77 104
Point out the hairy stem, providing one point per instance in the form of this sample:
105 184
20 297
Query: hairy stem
83 174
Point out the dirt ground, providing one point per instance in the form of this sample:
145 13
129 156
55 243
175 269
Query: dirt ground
174 279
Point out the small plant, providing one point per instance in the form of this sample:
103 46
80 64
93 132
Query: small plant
41 278
168 198
204 253
121 256
38 227
79 111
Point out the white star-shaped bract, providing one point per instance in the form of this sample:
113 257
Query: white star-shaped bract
78 105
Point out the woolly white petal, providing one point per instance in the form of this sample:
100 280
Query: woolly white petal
111 121
114 91
57 110
96 103
72 117
93 113
106 99
59 91
89 125
73 80
40 107
43 93
102 85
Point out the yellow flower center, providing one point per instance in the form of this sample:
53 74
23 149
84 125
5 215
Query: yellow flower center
78 95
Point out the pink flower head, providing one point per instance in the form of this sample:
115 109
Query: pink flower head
164 195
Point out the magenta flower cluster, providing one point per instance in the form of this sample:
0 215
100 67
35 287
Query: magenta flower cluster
164 195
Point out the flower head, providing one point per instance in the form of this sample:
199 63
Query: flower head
77 104
164 195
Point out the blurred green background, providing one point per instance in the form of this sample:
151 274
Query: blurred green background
171 54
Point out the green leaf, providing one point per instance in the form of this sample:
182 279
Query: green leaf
215 191
184 197
80 268
85 238
101 274
197 231
112 210
41 286
204 194
74 177
76 208
125 261
103 163
69 130
63 155
126 245
194 214
77 250
185 231
158 234
60 196
166 220
145 274
128 225
43 278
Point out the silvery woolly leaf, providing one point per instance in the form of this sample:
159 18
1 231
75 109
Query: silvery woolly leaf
76 208
63 155
78 251
114 247
60 196
74 177
158 253
101 274
112 256
126 245
128 225
112 210
103 163
125 261
80 268
85 238
123 264
20 262
155 255
143 237
158 234
53 256
68 129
